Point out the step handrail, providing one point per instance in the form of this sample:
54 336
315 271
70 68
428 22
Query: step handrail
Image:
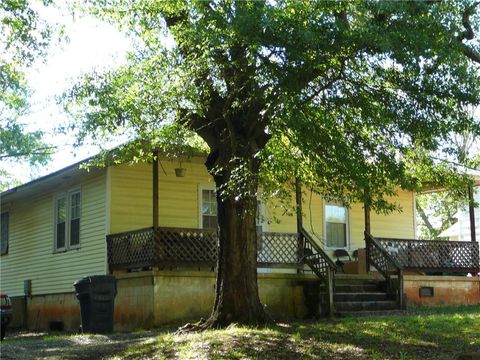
318 249
321 265
387 260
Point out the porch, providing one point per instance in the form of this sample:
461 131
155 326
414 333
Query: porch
165 247
182 248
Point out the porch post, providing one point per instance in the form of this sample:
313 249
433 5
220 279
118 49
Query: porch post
298 200
155 190
155 239
366 211
471 210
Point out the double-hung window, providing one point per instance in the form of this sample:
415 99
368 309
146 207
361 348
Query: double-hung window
67 220
4 233
209 209
336 225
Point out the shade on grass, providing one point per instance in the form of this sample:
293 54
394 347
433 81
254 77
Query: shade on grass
438 333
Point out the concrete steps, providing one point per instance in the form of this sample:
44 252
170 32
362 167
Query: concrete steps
362 295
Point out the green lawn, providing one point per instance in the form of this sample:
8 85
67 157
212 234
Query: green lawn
435 333
428 333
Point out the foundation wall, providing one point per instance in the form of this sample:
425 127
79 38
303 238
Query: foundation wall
50 312
161 297
154 298
446 290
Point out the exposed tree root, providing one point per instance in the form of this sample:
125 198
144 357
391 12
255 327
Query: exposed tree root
214 322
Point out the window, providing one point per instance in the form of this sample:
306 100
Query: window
67 220
209 209
336 221
4 233
260 218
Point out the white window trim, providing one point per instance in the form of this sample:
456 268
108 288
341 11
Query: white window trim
67 195
264 214
202 187
348 240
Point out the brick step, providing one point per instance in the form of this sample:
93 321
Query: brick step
360 296
342 306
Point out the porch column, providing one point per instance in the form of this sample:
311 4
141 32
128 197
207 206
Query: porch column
366 211
471 210
298 200
155 190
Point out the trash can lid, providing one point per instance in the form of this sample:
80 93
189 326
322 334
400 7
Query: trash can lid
95 279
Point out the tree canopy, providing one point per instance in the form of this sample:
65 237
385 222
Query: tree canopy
352 98
23 38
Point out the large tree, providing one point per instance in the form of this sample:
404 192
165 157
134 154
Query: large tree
348 97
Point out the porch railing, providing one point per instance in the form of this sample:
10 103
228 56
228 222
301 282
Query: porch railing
387 265
433 255
190 247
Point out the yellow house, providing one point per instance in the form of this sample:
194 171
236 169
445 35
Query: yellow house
75 223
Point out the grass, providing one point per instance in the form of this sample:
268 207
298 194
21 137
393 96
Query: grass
434 333
423 333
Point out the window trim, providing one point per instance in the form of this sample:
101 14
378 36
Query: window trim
68 218
8 232
347 240
202 187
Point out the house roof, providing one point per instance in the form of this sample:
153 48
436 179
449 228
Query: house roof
46 181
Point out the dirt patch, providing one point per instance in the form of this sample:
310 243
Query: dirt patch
29 346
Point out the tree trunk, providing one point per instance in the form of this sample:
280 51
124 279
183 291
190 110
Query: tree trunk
236 289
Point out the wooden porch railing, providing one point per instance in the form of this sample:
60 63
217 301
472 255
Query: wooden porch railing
191 247
433 255
387 265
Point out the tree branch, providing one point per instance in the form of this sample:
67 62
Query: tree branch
424 217
468 34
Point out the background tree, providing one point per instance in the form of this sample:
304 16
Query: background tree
436 211
349 97
23 38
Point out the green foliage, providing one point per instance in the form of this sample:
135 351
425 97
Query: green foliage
353 98
436 213
23 37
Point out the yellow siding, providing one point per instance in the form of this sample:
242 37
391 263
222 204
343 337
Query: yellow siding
131 205
31 241
131 195
397 224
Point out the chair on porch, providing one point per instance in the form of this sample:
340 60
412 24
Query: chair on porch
341 253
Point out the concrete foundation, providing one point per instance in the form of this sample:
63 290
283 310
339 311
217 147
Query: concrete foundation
441 290
153 298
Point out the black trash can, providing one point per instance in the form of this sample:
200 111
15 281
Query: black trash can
97 300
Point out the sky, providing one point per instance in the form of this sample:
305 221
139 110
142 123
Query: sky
88 44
